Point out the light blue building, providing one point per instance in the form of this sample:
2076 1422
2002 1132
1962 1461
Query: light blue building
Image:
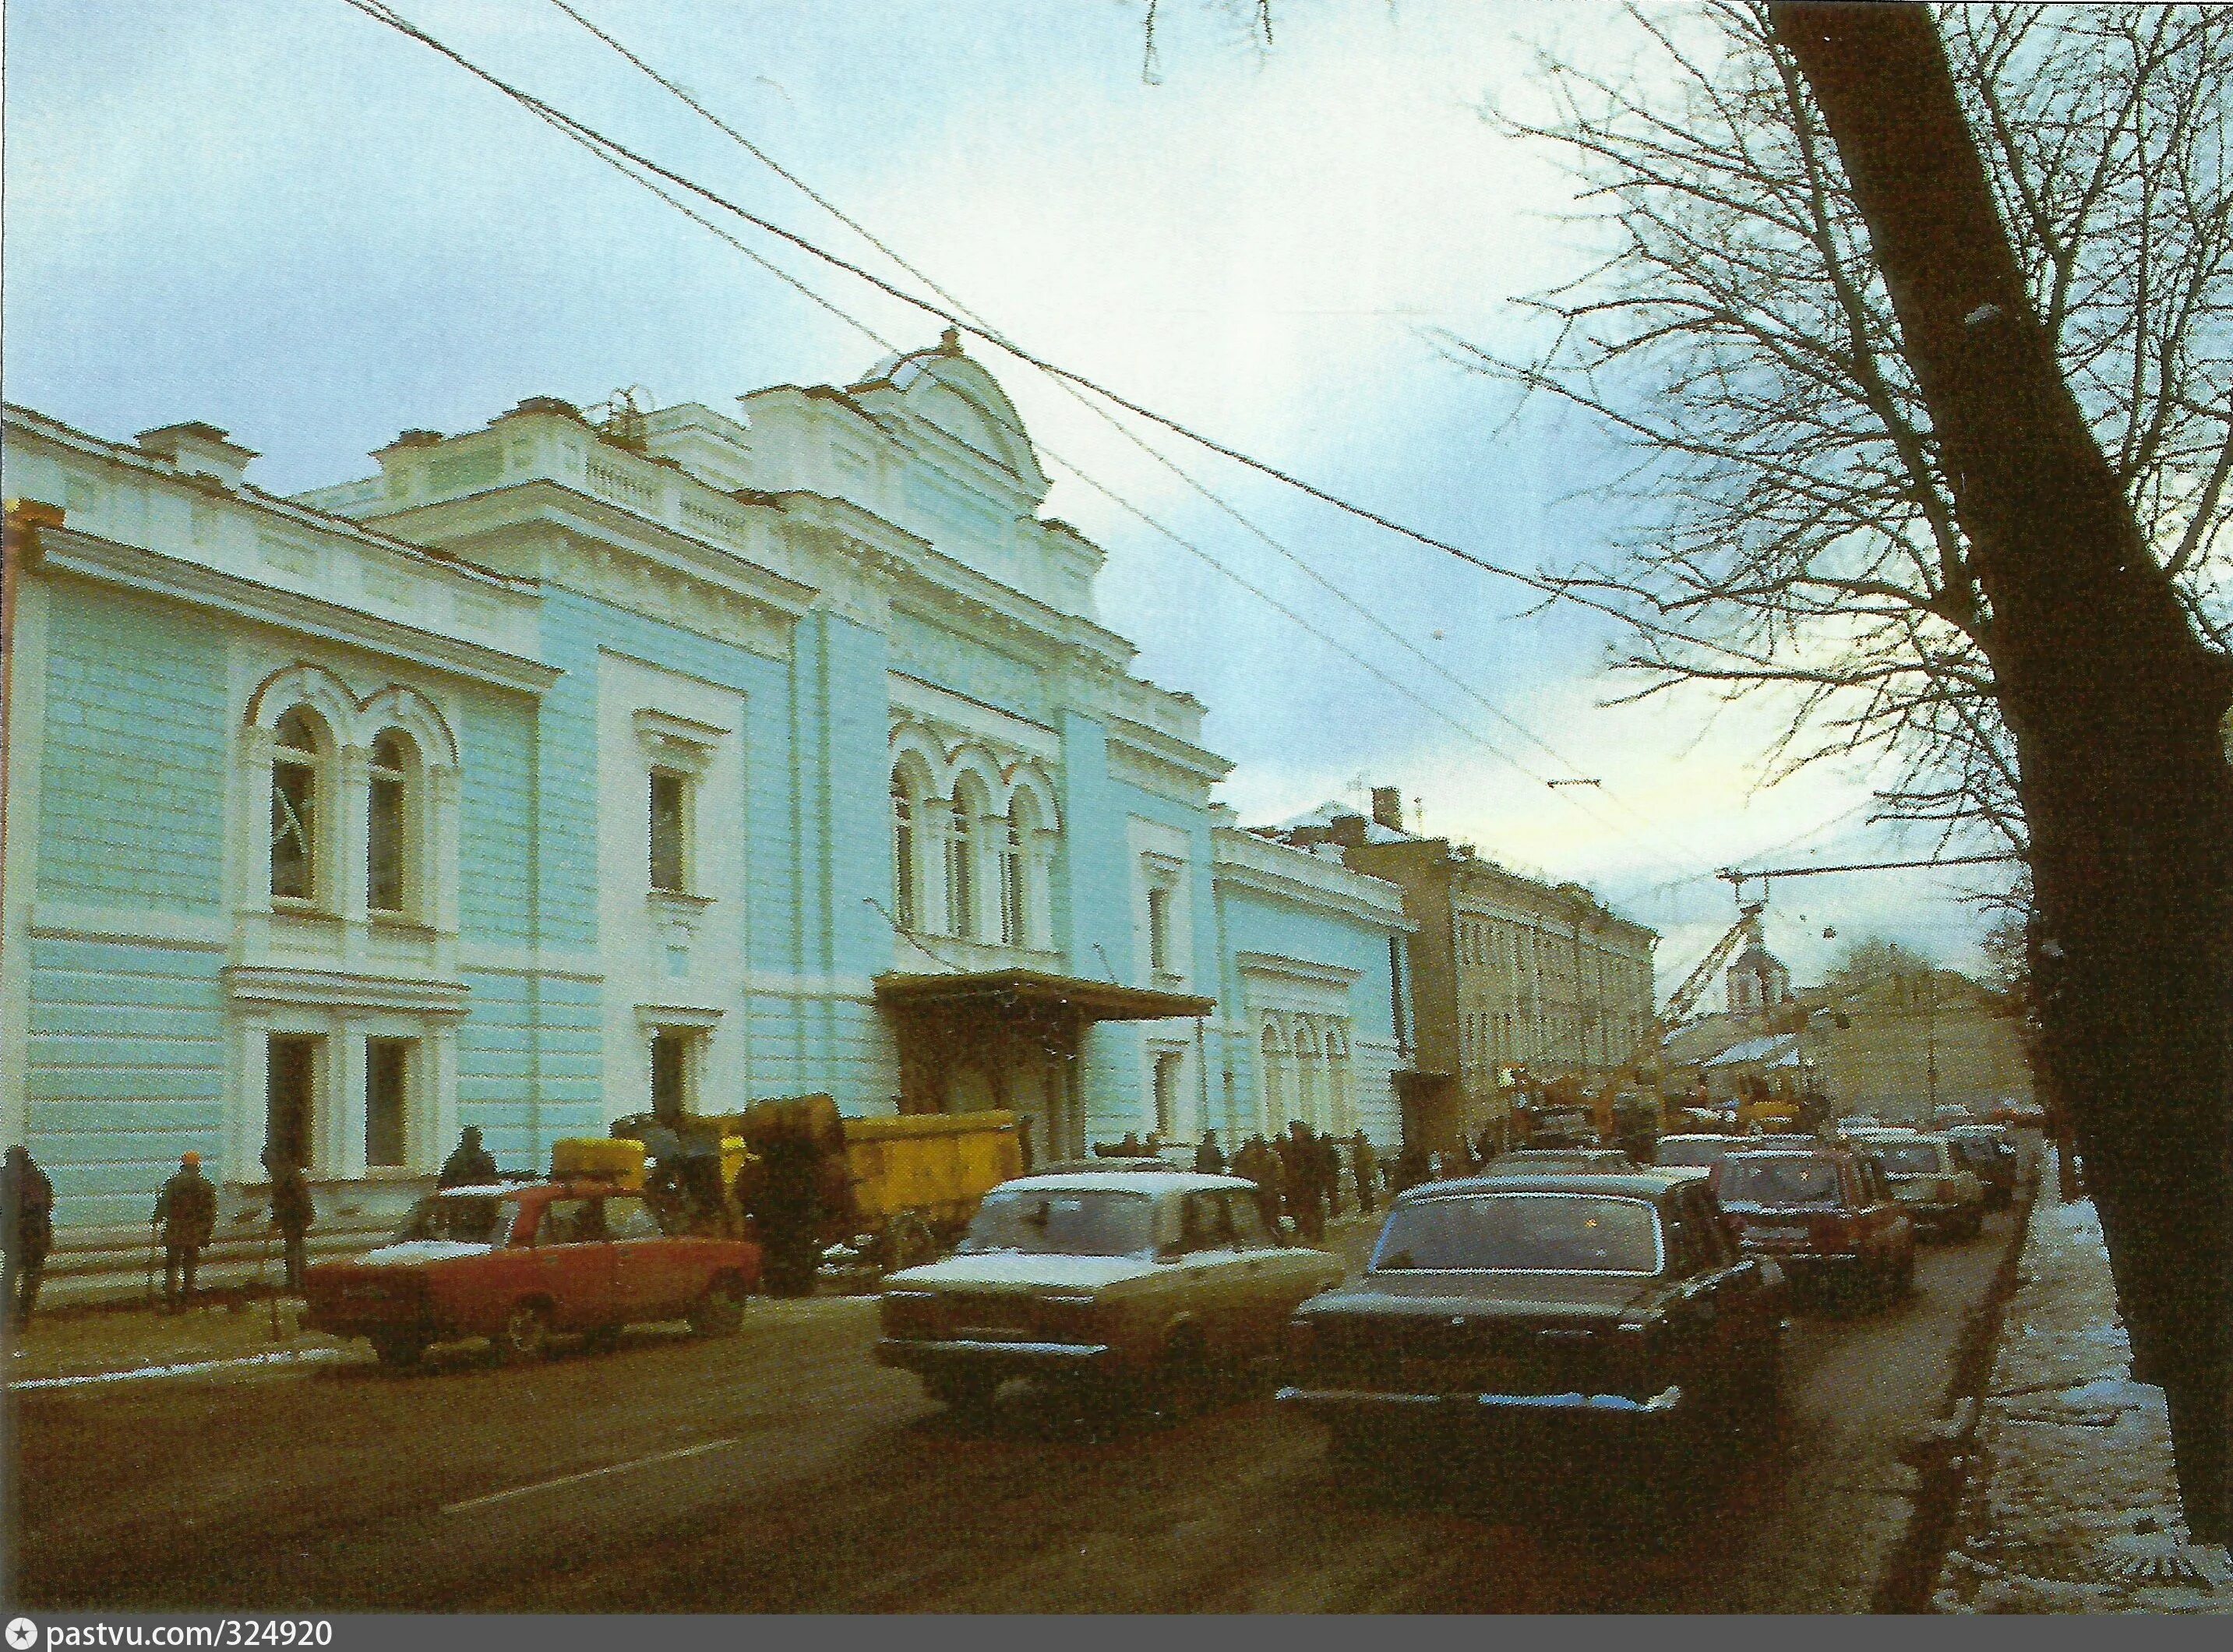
569 768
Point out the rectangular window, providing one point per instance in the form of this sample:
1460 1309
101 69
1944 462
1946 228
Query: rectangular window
1159 931
669 831
1170 1064
291 1092
384 844
387 1100
670 1073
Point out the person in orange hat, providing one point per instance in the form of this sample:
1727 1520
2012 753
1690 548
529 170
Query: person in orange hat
186 1211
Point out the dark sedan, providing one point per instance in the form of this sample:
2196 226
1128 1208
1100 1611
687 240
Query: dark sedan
1598 1302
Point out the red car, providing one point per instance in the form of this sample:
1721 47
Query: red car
1826 1215
520 1264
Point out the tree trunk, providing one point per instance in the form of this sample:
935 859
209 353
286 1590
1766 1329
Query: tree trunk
2115 705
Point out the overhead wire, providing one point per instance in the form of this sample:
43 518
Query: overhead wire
1553 590
612 155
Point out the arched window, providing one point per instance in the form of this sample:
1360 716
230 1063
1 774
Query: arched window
299 745
390 873
907 907
1020 892
1275 1076
964 844
1308 1099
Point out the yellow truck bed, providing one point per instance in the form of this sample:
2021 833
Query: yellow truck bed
936 1164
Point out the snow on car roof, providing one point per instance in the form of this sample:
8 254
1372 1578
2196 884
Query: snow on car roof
1127 1181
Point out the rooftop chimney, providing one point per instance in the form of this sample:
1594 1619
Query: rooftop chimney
198 450
1388 807
1347 829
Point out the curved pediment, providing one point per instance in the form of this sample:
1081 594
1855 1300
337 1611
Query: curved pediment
957 396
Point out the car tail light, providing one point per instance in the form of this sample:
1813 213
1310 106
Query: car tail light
1833 1233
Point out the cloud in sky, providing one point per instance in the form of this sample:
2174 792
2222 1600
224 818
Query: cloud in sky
287 220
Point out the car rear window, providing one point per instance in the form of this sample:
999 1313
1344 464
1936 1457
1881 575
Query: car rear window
1909 1159
1793 1180
1055 1223
1689 1150
1521 1232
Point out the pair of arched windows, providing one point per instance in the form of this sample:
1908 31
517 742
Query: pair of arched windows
303 799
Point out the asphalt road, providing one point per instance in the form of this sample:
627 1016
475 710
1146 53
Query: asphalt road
782 1470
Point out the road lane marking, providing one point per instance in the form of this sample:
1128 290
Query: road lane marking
143 1373
590 1474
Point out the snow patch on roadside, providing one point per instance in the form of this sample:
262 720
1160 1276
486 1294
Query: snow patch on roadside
148 1373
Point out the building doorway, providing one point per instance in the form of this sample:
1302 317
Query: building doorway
291 1093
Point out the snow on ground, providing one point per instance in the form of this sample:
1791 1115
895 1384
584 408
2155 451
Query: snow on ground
2074 1508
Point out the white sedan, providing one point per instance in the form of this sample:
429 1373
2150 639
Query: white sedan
1113 1277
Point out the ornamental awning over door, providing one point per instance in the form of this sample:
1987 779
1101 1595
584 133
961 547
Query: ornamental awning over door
1010 1026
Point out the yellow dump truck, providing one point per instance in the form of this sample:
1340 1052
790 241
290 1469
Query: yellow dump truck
907 1185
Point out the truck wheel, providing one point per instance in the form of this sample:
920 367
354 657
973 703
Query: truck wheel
526 1337
399 1352
721 1311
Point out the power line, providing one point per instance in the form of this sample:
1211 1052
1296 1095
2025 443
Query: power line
758 153
387 16
611 153
1874 866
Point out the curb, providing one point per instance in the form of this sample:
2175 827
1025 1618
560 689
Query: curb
1943 1454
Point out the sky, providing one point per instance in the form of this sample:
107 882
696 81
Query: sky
283 218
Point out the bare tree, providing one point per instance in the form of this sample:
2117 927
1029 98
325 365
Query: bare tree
1793 512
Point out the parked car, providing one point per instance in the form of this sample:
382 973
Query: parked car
1594 1303
520 1264
1116 1277
1929 1177
1694 1154
1990 1152
1856 1124
1827 1215
1546 1161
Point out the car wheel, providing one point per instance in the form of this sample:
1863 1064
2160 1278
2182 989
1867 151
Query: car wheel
721 1311
526 1337
399 1352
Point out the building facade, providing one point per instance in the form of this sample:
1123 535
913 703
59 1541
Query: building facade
564 770
1510 979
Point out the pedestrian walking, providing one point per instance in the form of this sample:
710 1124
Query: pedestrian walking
469 1164
27 1229
1207 1157
1260 1165
1329 1165
186 1211
292 1212
1367 1170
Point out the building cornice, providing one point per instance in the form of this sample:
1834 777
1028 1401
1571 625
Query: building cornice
338 990
110 563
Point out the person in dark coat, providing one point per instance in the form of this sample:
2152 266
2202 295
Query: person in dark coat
470 1165
1299 1179
1329 1166
1208 1159
1413 1166
292 1212
1367 1169
1260 1165
186 1211
786 1216
27 1229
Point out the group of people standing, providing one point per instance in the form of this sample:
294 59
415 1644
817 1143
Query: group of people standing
1298 1173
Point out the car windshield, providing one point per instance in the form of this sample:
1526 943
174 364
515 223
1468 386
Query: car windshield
462 1219
1689 1150
1056 1222
1909 1157
1521 1232
1779 1181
